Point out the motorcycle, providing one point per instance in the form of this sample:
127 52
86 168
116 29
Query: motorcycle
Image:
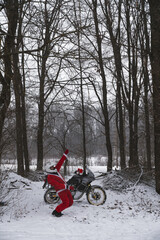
78 185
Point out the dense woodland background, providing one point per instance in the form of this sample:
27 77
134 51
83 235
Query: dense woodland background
81 75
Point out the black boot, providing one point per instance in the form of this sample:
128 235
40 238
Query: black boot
57 214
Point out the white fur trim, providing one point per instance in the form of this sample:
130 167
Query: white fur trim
61 190
65 155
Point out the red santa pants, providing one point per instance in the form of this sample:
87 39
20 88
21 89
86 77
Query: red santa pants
67 200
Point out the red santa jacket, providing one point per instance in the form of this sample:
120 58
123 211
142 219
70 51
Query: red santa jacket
56 179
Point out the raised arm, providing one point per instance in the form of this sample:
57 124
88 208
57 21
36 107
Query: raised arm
61 161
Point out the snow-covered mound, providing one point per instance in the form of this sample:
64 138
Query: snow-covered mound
128 178
20 196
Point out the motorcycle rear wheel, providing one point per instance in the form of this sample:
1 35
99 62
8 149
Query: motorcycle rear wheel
50 196
96 195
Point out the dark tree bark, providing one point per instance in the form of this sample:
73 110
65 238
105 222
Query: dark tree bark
78 26
19 91
104 87
131 88
11 59
24 125
155 63
19 128
41 118
116 45
145 51
42 68
23 89
51 20
5 79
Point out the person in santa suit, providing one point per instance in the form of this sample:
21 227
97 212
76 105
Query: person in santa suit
57 181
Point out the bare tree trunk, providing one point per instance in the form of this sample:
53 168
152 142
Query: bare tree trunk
116 45
135 104
133 91
145 51
19 90
147 122
19 127
41 121
78 25
51 20
83 109
11 9
104 87
10 48
42 70
155 63
22 89
25 137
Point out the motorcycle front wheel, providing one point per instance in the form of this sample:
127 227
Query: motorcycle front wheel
50 196
96 195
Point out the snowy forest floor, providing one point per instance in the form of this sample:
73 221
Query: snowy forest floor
131 211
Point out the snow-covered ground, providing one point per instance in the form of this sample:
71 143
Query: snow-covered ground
129 215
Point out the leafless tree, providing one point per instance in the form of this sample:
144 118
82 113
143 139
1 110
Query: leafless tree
145 53
155 63
49 14
6 51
